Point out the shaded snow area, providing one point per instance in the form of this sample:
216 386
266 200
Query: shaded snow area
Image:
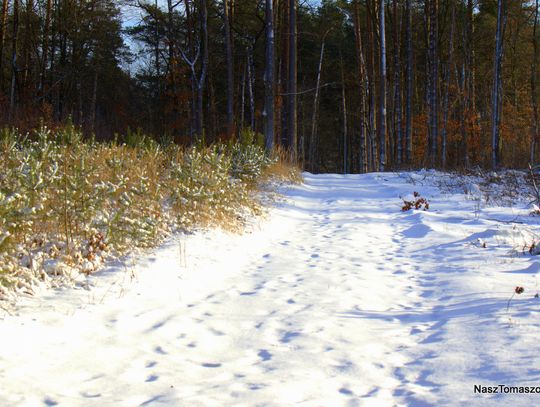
338 298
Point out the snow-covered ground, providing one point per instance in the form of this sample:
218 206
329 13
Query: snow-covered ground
337 298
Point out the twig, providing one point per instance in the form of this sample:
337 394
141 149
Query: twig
506 221
508 304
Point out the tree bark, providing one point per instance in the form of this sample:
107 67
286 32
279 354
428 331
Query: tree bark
469 82
191 63
382 95
408 83
371 27
157 64
283 76
3 30
243 97
344 111
496 94
397 85
28 34
44 51
172 46
434 81
251 86
292 83
534 101
93 112
269 78
14 67
230 70
314 118
363 81
204 69
446 87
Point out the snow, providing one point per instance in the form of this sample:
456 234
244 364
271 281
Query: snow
336 298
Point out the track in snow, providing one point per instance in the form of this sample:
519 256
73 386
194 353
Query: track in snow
340 299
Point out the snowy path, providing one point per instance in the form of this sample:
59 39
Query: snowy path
340 299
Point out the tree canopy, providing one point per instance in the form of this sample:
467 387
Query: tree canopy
187 70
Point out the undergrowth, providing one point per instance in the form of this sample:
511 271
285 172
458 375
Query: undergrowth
417 202
66 205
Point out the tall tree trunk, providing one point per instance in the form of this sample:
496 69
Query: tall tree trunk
363 80
3 30
269 80
55 29
408 83
534 101
27 46
292 83
469 81
191 63
204 68
93 103
173 82
44 51
211 121
230 69
397 84
446 87
283 76
371 26
14 67
496 94
157 64
314 117
62 63
251 85
243 97
344 111
382 96
434 81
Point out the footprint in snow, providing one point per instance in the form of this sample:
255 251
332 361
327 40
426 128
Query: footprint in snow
90 395
159 350
211 365
289 336
264 355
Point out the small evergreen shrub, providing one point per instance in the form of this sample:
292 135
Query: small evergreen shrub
67 204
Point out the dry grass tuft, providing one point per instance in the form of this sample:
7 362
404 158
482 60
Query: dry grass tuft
282 169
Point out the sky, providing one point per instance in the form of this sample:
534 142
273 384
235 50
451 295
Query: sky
131 15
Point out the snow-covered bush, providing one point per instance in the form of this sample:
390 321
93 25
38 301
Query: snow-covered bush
248 162
416 203
204 190
67 204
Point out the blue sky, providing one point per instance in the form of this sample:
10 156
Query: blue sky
132 14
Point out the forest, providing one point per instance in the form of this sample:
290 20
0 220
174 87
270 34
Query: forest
344 86
269 202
